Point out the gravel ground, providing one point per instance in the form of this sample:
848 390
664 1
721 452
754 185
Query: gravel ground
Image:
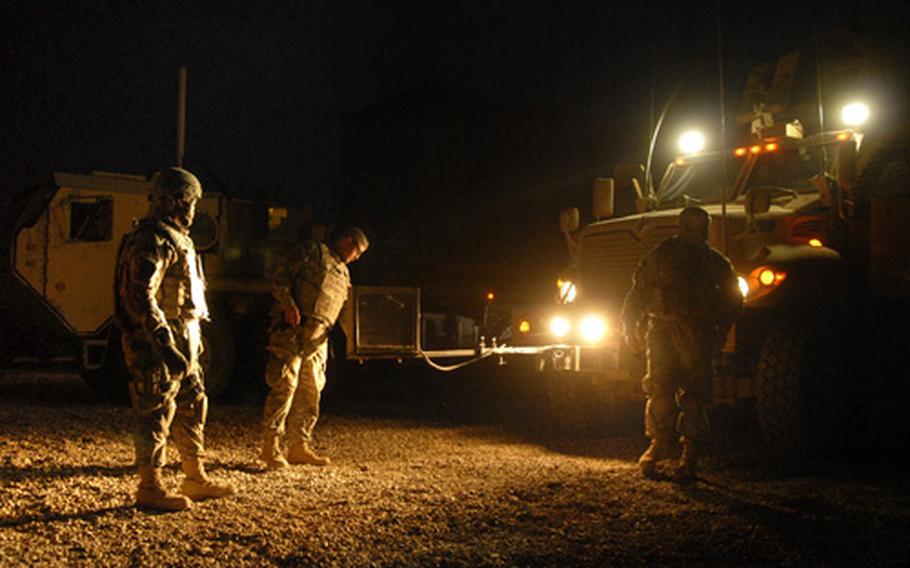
435 486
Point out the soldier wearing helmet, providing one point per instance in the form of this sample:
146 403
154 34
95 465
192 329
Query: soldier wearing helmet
159 303
683 300
310 286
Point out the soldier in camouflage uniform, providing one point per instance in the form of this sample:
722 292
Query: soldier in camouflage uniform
159 302
683 301
310 287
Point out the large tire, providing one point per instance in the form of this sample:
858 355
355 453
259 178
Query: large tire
218 356
780 383
801 390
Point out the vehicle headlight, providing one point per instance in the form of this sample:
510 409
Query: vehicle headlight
593 329
560 326
743 286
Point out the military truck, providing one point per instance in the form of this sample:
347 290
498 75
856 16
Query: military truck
56 294
817 227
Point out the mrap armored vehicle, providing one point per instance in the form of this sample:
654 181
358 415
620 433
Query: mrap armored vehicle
56 288
817 228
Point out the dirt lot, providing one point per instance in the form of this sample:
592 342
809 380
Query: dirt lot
451 473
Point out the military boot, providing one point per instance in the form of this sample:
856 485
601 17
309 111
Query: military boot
271 453
302 453
685 471
658 450
198 486
152 495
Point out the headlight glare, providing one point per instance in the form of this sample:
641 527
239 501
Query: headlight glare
560 327
743 286
593 329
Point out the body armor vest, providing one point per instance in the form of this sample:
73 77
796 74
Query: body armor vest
182 291
686 282
321 286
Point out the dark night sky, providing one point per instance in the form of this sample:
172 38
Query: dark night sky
92 85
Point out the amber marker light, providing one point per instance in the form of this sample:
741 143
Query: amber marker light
762 281
843 136
771 147
524 326
755 149
815 243
740 152
491 296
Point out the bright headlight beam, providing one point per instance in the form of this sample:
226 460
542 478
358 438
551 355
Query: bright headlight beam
560 326
743 286
593 329
691 142
855 114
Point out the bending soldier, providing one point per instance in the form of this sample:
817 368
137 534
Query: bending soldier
683 300
310 287
159 302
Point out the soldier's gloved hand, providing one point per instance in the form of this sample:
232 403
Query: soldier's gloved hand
292 314
177 365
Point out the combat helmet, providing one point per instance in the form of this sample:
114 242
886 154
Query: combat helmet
174 185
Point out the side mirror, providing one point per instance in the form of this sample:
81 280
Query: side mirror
604 195
641 201
568 220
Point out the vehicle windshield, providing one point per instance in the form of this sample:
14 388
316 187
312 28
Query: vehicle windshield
697 181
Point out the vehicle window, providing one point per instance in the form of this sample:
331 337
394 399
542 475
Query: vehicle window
92 220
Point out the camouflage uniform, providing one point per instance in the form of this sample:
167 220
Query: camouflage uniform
160 300
159 303
315 280
683 300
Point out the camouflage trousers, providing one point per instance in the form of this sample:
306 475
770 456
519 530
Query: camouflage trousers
164 404
677 380
295 374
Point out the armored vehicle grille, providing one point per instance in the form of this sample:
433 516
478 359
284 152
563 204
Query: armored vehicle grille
609 257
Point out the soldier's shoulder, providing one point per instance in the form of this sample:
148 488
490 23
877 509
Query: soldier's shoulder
718 257
148 235
302 249
668 246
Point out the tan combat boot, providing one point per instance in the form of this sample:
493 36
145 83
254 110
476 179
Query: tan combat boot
152 495
198 486
271 454
302 453
658 450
